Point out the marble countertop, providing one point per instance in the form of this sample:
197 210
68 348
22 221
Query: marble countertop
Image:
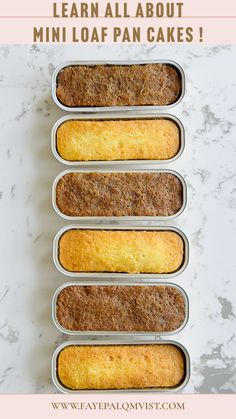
28 336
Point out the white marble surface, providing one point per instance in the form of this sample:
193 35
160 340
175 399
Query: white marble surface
28 223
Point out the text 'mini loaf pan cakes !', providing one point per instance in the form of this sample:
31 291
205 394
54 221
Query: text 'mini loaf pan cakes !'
99 86
89 194
162 366
119 138
85 308
96 251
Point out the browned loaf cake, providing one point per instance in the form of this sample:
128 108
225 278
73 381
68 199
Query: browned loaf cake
120 308
121 251
118 85
119 194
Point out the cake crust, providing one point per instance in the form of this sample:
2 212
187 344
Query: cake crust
108 367
121 251
147 139
118 85
120 308
119 194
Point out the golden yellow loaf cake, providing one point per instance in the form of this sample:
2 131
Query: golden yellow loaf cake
153 139
118 85
121 308
121 251
108 367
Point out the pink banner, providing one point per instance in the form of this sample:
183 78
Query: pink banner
146 22
119 406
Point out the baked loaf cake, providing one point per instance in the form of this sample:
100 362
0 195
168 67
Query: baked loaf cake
119 194
121 251
120 308
108 367
147 139
118 85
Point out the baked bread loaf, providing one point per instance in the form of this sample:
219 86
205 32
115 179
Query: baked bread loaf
120 308
118 85
106 367
137 139
121 251
119 194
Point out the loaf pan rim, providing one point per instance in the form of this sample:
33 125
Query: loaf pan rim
150 276
138 341
118 218
117 116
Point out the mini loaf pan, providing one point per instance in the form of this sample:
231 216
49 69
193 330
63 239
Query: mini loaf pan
171 63
108 275
116 333
116 117
138 341
122 218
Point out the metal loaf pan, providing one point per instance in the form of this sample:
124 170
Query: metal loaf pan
123 218
115 108
139 341
105 275
117 333
117 117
